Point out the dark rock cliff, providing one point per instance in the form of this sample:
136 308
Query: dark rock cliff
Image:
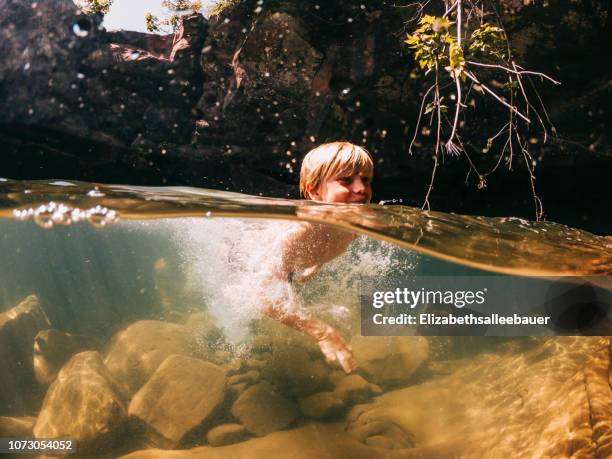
235 102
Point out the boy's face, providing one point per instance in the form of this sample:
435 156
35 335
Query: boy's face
351 189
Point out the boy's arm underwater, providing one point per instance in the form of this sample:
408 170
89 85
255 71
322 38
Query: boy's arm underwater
308 246
330 341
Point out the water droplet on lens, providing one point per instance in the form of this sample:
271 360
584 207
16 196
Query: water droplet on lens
80 29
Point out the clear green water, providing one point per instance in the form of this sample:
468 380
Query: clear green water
129 322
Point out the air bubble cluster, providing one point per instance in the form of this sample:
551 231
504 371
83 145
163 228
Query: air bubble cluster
54 213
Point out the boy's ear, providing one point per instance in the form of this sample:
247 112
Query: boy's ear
312 193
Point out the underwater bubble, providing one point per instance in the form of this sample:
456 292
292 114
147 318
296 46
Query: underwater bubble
44 221
134 55
80 76
97 221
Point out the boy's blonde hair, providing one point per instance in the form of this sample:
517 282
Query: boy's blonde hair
331 160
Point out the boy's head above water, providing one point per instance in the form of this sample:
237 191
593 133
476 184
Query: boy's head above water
337 172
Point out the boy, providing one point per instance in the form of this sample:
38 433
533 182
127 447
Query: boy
337 172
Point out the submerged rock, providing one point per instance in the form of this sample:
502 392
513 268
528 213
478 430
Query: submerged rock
236 389
382 434
206 332
355 389
389 360
20 393
322 405
84 404
262 410
509 405
250 377
226 434
52 349
16 426
313 440
291 368
136 352
182 394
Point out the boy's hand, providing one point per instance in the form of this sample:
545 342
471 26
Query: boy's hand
335 348
330 341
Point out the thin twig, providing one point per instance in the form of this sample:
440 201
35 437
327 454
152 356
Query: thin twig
552 126
496 97
426 204
416 129
524 93
450 146
536 200
517 72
